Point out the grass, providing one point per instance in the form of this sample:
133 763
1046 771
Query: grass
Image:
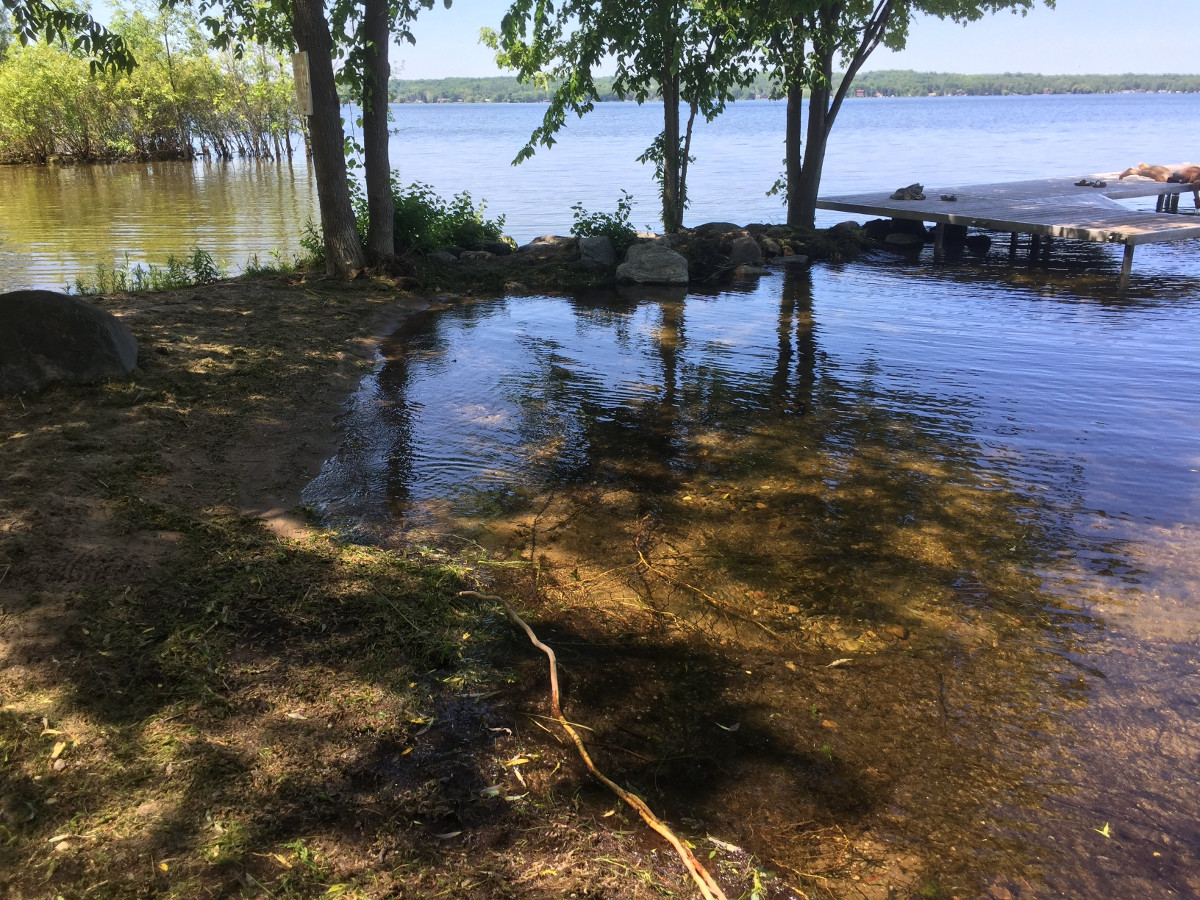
194 704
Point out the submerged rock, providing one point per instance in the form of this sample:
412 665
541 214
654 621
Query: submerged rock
47 337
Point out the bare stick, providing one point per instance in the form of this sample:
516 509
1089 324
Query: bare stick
708 886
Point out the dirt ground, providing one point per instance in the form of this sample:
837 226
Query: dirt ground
205 695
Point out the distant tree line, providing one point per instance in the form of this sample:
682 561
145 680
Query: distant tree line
182 99
889 83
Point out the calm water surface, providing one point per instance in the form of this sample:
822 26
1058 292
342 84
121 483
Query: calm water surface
1005 460
56 224
979 480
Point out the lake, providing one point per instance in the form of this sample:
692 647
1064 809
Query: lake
975 482
59 223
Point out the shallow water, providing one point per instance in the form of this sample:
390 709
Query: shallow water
978 480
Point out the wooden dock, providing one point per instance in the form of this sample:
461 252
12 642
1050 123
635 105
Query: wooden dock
1049 207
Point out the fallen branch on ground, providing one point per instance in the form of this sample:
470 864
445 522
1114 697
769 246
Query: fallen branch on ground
708 886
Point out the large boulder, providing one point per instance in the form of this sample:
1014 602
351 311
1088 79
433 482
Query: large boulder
653 263
47 337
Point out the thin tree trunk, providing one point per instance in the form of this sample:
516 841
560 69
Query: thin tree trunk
794 152
381 245
343 248
672 201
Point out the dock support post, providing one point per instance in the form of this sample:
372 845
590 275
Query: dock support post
1126 267
1158 206
1035 247
1174 203
939 239
1012 246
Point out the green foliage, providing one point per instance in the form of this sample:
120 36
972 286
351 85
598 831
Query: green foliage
179 95
198 267
615 225
425 222
688 51
66 24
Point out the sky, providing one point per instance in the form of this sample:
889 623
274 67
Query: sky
1077 37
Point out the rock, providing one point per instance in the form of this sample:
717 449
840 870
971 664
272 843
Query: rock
551 247
715 249
476 256
443 256
770 246
744 251
653 264
903 242
515 287
597 252
843 228
908 226
496 248
912 192
979 244
717 228
746 273
47 337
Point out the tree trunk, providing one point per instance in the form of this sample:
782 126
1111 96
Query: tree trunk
381 211
671 197
343 248
802 205
794 149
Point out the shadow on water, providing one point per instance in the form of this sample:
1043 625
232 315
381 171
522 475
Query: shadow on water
815 608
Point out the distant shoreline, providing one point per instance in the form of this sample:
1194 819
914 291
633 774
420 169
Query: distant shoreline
880 84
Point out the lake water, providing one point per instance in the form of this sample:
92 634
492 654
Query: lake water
59 223
978 480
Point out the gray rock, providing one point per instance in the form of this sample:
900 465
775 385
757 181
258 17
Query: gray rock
709 229
597 252
443 256
744 251
496 248
475 256
653 263
770 246
912 192
847 227
550 247
46 337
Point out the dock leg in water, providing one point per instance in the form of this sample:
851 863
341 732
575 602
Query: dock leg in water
939 239
1126 267
1158 205
1035 248
1012 246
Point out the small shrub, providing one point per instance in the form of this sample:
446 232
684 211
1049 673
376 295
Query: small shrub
615 225
425 222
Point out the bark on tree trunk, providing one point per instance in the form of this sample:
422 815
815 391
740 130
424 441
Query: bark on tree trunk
380 205
672 201
794 150
802 213
343 248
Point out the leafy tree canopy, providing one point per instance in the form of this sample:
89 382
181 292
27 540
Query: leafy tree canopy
70 25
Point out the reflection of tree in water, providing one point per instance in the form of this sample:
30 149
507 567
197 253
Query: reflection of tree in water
788 513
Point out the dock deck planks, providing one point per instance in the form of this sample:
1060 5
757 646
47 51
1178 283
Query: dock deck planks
1054 207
